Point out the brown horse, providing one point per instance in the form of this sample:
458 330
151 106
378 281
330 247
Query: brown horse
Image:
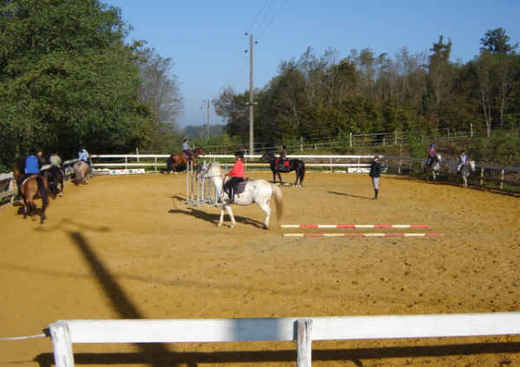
180 159
80 172
31 188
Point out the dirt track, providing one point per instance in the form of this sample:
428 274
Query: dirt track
127 247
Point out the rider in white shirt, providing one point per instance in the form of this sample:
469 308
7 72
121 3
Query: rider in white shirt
463 159
186 149
55 160
84 156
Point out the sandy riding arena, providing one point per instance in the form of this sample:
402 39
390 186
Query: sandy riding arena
127 247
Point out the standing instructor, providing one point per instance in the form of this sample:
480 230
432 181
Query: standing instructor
375 172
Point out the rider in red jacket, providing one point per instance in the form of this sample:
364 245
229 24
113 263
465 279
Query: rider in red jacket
236 175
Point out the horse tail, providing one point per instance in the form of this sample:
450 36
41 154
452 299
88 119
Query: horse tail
278 201
77 172
43 192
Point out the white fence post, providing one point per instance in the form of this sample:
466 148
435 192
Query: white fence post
350 139
502 179
61 341
304 343
481 176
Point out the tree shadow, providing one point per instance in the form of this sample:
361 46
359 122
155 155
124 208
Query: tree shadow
115 294
356 356
350 195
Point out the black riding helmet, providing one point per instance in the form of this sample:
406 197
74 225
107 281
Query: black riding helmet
239 154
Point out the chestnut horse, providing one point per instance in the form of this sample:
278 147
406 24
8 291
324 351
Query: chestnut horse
180 159
30 188
81 172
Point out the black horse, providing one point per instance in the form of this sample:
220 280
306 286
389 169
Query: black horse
294 165
55 177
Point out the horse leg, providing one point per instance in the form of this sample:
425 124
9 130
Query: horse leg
25 208
264 205
221 220
280 177
231 216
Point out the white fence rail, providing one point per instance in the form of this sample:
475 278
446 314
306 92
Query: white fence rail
502 178
353 163
301 330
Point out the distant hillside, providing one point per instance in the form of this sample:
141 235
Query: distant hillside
201 132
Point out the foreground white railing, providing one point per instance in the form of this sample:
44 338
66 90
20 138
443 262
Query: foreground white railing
301 330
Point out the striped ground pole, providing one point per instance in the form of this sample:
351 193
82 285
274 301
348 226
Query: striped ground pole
355 226
357 234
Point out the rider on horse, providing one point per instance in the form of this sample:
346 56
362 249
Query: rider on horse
237 176
32 167
432 155
186 149
463 159
41 159
55 160
282 163
84 157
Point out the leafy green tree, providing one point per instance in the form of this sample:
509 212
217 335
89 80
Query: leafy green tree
67 79
159 90
496 41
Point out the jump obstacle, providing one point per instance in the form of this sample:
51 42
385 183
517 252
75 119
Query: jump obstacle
355 226
199 191
358 234
354 234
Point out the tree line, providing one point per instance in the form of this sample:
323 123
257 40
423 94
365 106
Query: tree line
322 97
68 80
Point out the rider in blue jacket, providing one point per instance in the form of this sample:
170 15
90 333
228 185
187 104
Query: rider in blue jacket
32 166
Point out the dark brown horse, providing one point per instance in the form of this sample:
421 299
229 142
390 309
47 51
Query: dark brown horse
180 159
31 188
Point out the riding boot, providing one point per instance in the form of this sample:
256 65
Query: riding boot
231 195
376 191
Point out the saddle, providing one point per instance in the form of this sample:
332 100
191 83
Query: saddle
241 186
282 165
34 175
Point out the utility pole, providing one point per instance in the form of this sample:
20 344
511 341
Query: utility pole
208 118
251 125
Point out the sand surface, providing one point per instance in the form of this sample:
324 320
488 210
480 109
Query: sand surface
127 247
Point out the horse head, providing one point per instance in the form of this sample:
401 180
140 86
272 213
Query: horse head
267 156
198 151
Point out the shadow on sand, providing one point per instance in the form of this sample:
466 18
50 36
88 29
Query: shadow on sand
350 195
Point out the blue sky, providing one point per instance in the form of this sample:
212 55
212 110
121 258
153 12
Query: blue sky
206 41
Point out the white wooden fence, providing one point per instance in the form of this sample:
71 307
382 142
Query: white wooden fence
301 330
349 163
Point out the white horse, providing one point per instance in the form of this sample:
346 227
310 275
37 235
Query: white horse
465 171
255 191
435 167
